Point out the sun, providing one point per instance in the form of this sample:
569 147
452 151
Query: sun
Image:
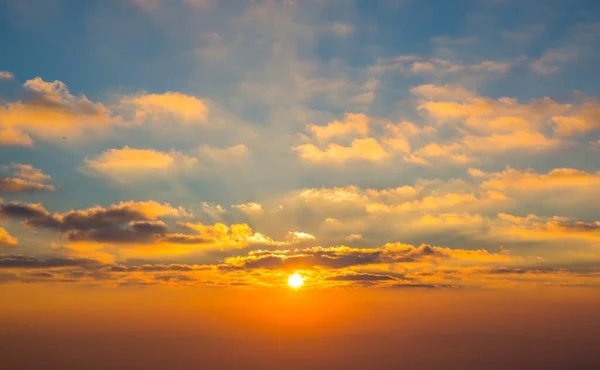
295 281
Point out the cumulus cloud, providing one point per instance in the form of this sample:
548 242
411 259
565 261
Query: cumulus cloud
125 222
352 125
50 111
345 140
360 149
484 127
130 164
186 108
235 235
26 179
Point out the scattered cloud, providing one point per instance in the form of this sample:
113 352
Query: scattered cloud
186 108
26 179
225 155
131 164
51 112
360 149
6 239
6 76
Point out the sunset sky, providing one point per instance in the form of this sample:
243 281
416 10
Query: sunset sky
182 158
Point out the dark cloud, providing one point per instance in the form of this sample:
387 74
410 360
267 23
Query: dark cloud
188 239
338 257
41 275
579 226
20 210
174 278
152 268
124 223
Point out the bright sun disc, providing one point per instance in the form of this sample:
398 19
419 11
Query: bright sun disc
295 281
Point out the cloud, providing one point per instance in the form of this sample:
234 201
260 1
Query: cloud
412 64
344 257
525 180
186 108
130 164
352 125
6 239
583 120
341 29
6 76
484 126
126 222
250 208
23 210
235 235
27 179
445 152
354 129
360 149
552 60
442 92
14 185
547 228
10 136
23 262
361 277
299 236
152 5
28 172
51 112
223 155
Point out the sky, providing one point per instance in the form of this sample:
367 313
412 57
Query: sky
166 158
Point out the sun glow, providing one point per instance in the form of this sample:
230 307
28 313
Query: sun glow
295 281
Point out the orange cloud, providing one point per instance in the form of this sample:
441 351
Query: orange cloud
28 172
185 107
15 185
361 149
528 179
583 121
353 124
6 239
548 228
27 179
51 112
235 235
442 92
130 163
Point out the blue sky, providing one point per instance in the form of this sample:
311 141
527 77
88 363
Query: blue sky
460 124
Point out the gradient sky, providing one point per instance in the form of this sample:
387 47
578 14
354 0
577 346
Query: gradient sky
445 146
